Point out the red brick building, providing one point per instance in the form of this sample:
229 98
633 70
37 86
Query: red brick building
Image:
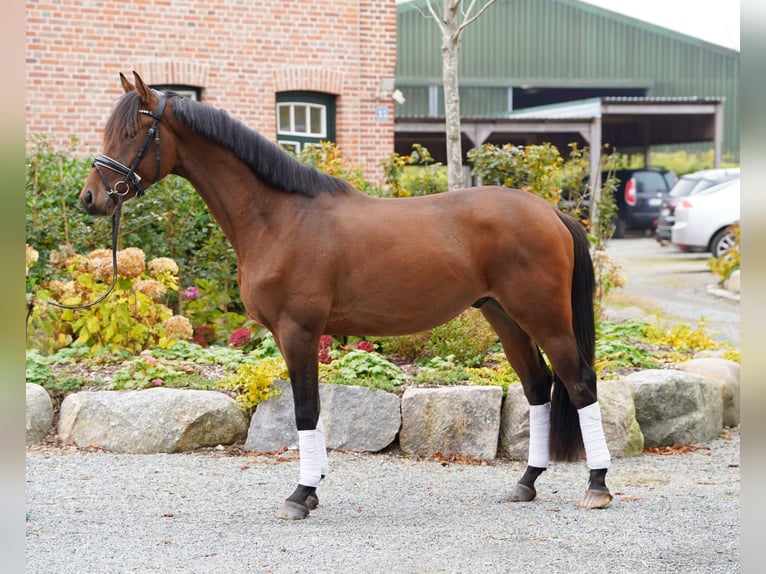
297 71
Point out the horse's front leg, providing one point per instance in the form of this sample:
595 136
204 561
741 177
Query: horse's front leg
300 350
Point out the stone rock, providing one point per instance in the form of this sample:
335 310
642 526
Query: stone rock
514 424
354 418
618 415
359 419
733 283
272 426
676 407
39 413
151 420
725 375
461 420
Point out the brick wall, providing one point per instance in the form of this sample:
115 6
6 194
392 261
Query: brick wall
239 52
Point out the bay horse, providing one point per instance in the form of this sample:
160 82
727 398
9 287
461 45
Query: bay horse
317 256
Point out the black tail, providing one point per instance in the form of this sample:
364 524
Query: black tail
566 437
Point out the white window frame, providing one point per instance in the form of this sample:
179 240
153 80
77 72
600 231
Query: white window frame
291 131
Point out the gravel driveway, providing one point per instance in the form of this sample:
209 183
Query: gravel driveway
674 283
211 512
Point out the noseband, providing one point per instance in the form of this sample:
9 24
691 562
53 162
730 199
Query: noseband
121 188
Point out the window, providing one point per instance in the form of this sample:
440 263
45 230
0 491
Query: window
304 118
186 91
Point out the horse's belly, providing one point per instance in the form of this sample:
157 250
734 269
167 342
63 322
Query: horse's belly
392 313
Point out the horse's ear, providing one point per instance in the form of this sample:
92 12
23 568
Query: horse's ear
147 95
126 85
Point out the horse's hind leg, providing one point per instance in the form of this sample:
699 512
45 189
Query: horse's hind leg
536 379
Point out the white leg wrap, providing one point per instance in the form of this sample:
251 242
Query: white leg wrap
596 450
323 464
310 457
539 435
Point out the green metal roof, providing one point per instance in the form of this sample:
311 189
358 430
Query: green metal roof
519 46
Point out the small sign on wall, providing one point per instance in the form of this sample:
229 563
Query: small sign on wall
381 113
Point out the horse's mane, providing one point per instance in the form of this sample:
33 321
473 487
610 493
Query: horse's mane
269 162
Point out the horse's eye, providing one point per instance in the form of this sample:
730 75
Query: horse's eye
128 135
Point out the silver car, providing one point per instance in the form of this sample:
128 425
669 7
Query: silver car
689 184
703 220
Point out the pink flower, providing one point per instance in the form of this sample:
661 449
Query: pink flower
365 346
325 342
190 292
240 336
158 382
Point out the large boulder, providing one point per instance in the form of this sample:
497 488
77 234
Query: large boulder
354 418
462 420
725 375
618 415
39 413
151 420
676 407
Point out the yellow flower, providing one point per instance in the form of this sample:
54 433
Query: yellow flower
149 287
178 327
162 265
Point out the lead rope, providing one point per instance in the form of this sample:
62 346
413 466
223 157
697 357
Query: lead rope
115 236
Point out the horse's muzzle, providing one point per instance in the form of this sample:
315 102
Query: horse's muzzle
92 207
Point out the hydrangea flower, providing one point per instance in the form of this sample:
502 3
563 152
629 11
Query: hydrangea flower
178 327
190 292
131 262
150 287
365 346
240 337
163 265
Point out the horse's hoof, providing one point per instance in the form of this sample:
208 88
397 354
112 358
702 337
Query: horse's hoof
521 493
595 499
292 511
312 501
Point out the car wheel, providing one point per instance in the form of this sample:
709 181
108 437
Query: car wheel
619 228
721 242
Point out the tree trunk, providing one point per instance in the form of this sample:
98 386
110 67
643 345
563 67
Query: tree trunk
450 53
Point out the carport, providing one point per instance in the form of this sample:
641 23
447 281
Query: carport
629 124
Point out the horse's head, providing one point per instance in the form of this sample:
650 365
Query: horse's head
135 156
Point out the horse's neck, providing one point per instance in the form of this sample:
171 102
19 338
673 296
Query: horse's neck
239 202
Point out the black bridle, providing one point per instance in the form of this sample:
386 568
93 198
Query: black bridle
119 190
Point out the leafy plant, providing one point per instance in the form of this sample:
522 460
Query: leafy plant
254 382
468 338
37 369
329 158
414 174
363 368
